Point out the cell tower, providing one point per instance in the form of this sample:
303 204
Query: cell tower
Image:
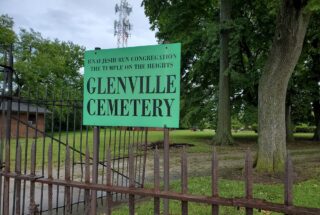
122 26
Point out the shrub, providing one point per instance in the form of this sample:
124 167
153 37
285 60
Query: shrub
236 125
254 127
304 129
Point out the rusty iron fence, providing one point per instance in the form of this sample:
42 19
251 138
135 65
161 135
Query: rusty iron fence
42 136
91 188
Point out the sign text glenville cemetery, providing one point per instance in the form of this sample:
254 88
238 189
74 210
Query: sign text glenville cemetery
138 86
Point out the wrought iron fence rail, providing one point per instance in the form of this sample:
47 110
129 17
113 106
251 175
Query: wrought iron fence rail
247 202
76 150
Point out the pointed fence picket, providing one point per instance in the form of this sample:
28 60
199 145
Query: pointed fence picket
248 202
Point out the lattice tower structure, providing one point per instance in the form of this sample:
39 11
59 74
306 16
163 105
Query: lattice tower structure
122 26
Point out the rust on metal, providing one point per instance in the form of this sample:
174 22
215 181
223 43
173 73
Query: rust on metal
131 180
6 186
156 181
18 181
67 178
8 84
233 202
184 179
95 161
109 183
144 156
87 181
214 181
288 183
33 207
248 179
166 169
50 188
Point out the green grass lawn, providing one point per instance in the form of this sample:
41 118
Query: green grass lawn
77 140
306 194
202 141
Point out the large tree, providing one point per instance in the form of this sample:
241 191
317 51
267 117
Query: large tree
291 26
223 135
303 92
42 63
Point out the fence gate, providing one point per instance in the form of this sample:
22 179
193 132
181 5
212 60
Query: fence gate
42 137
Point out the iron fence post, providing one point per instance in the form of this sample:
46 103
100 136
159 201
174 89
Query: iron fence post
96 142
166 167
8 88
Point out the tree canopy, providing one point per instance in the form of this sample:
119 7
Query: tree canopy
255 27
196 25
41 63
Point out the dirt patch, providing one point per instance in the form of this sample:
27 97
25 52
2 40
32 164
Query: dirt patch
305 156
159 145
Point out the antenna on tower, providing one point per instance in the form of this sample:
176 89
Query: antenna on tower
122 26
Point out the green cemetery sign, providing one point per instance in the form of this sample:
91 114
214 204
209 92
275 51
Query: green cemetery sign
138 86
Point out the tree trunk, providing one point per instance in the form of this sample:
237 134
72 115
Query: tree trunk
316 111
316 77
289 124
223 135
290 31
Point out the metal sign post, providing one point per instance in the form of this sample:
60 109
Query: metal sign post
166 167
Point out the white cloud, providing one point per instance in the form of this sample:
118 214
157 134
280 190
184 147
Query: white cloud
87 23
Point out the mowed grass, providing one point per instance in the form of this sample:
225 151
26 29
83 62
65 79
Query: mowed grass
306 194
110 138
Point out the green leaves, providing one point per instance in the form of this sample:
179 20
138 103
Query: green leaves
313 6
196 25
7 35
42 63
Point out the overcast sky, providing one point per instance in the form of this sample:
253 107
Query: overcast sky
87 23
